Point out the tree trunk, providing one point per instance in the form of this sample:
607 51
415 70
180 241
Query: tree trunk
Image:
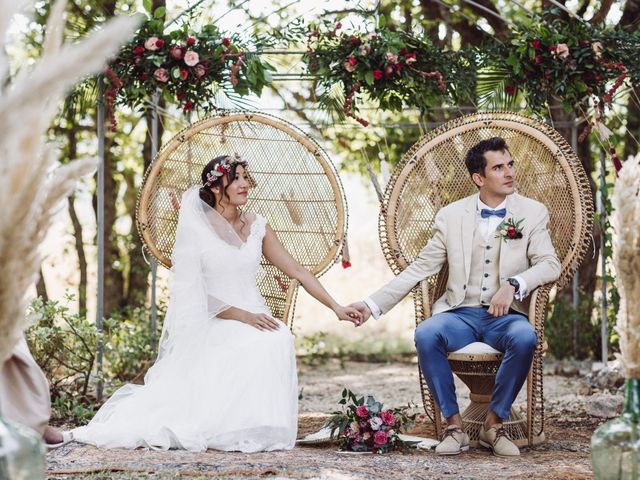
82 259
41 287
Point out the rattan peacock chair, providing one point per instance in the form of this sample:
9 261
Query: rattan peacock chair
294 186
431 175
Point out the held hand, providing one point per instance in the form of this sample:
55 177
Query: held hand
261 321
502 300
349 314
364 311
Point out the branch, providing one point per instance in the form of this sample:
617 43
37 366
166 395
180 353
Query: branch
630 19
601 14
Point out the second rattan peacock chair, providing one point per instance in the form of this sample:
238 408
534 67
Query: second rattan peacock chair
431 175
294 186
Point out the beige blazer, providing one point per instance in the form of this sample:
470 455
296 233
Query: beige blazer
532 257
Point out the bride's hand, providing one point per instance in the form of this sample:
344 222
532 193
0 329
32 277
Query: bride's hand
349 314
261 321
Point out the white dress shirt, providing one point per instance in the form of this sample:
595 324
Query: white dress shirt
486 227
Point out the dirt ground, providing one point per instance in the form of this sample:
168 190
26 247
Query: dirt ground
565 455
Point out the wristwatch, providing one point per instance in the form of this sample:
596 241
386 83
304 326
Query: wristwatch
514 283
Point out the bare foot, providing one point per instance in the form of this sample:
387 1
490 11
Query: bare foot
52 435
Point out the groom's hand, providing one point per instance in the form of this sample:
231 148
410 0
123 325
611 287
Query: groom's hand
365 312
502 300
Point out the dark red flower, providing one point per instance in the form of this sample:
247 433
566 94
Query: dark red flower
183 73
346 263
598 78
536 44
176 52
144 77
538 59
191 41
352 61
180 95
338 26
510 89
226 42
138 50
188 106
159 43
377 74
353 40
511 232
553 48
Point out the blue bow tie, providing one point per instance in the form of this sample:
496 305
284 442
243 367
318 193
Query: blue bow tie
486 213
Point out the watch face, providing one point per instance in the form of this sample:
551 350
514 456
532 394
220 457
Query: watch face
514 283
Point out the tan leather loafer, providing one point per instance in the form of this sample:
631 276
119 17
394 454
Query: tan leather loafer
454 441
497 439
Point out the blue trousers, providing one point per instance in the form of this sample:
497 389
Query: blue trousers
448 331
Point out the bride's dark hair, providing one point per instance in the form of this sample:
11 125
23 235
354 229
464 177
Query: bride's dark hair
206 195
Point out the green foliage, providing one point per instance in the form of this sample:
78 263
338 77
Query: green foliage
187 67
65 346
395 69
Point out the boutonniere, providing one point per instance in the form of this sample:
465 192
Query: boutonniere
510 229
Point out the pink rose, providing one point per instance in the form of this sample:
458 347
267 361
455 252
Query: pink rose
161 75
362 411
365 49
200 70
191 58
176 52
151 44
562 50
597 48
380 437
376 423
350 65
388 418
392 57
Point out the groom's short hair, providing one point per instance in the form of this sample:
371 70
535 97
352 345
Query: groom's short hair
475 160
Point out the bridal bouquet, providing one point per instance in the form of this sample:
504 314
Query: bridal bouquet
365 426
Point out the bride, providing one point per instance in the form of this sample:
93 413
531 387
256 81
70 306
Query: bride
225 377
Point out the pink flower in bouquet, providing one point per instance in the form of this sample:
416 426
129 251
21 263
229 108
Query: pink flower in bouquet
362 411
597 48
161 75
176 52
376 423
366 436
151 44
350 64
562 50
200 70
389 71
392 57
365 49
191 58
388 418
380 437
354 427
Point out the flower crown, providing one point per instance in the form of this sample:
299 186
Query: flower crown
224 167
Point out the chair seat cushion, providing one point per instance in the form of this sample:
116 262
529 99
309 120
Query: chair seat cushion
476 348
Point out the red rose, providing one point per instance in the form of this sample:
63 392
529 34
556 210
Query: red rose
410 58
388 418
346 263
362 411
176 52
354 40
188 106
159 43
510 89
183 73
388 71
144 77
538 59
191 41
553 48
138 50
226 42
338 26
380 437
352 61
180 95
511 232
598 78
536 44
377 74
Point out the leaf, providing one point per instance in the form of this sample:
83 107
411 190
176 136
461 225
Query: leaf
368 77
160 12
382 22
147 5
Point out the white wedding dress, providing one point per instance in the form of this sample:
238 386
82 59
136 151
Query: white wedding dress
217 383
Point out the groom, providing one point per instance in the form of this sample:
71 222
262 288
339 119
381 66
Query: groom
498 250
